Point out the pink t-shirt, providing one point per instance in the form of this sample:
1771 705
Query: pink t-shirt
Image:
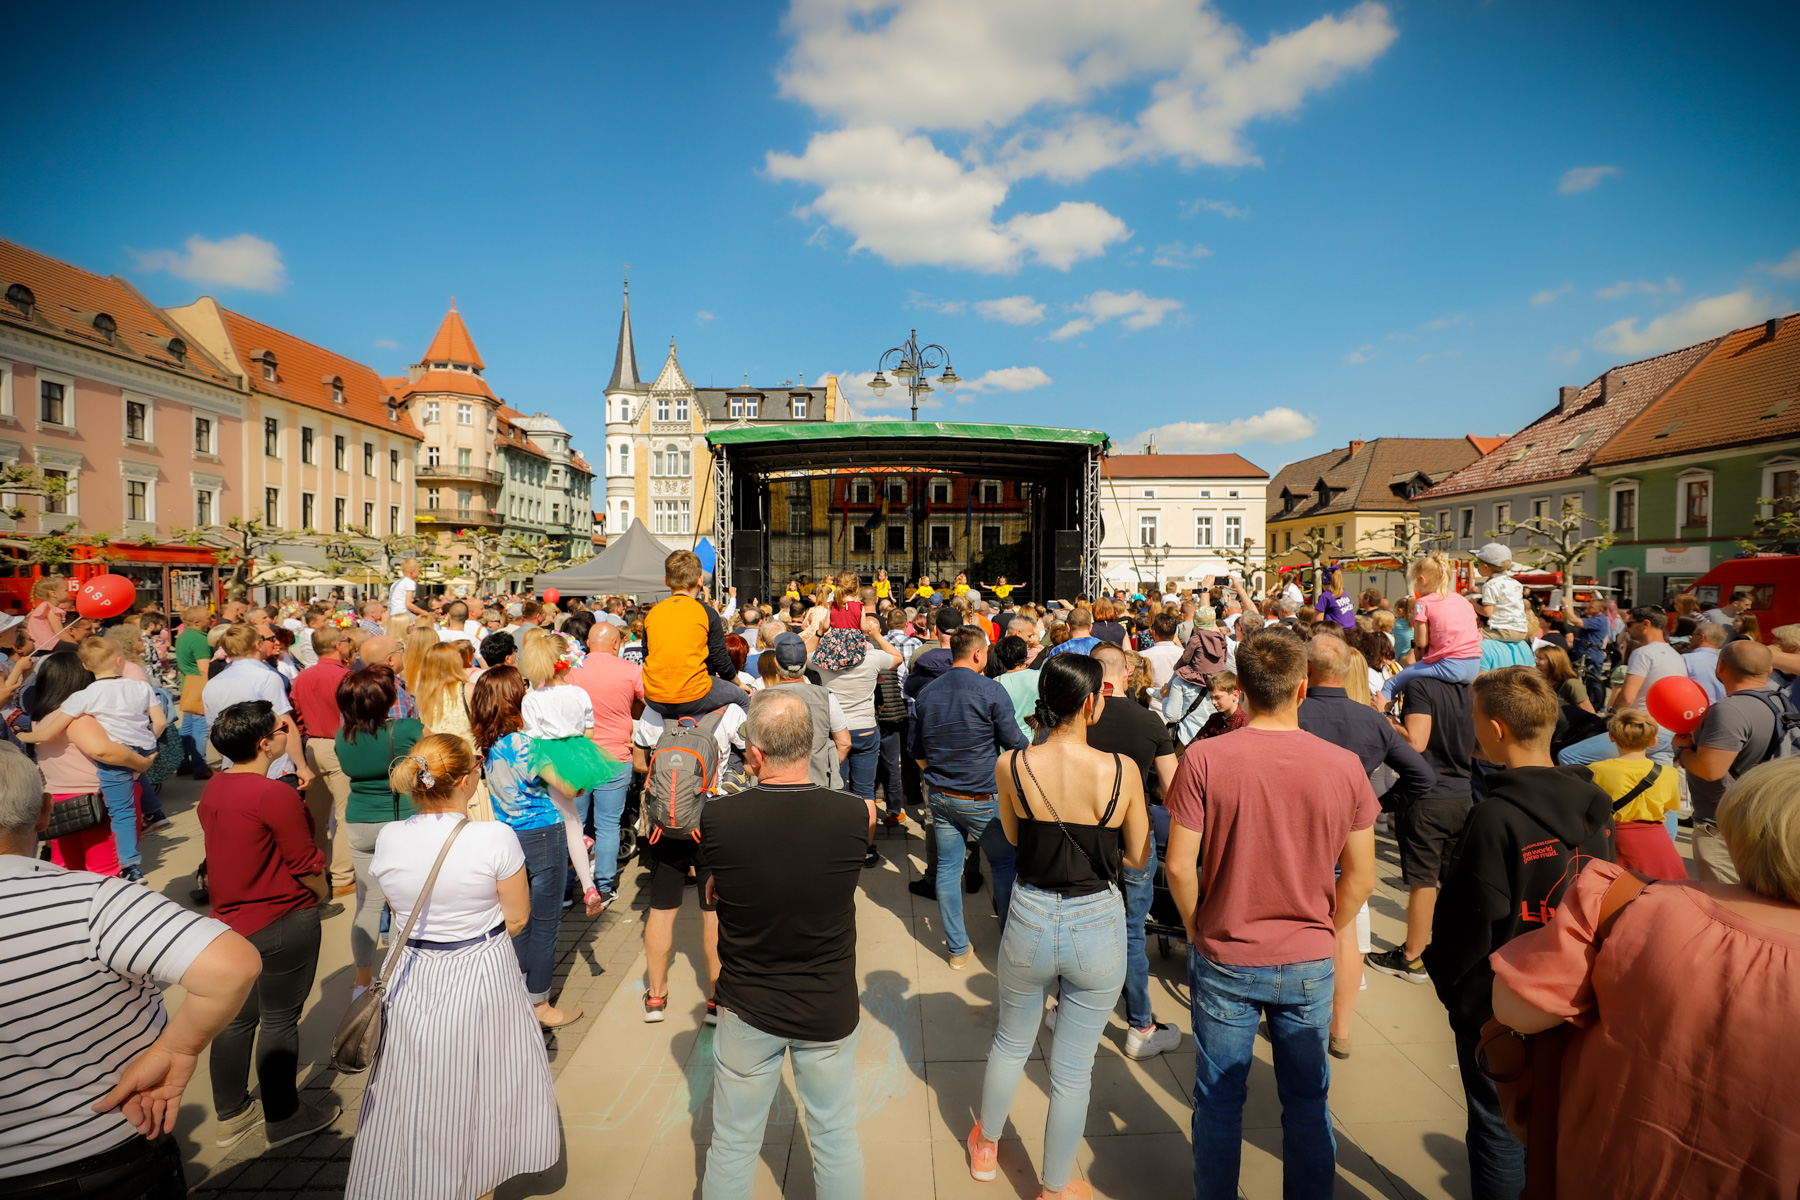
1273 808
38 627
1454 632
612 684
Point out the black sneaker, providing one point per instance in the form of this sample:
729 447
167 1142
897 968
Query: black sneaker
924 889
872 858
156 821
1394 962
972 874
131 875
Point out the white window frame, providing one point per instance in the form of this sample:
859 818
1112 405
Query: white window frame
1465 523
1149 494
1206 493
304 461
737 407
1543 500
999 486
681 409
393 518
1694 475
1233 494
280 521
6 387
753 407
662 408
800 408
433 413
212 434
949 494
68 387
1770 466
931 537
146 474
1150 523
47 459
465 414
1502 514
1637 506
126 400
1234 530
201 481
1203 530
1443 521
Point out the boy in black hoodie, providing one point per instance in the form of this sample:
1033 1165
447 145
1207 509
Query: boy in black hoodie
1524 844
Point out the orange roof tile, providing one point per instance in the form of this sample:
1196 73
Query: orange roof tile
453 343
510 435
456 383
1182 466
580 463
1485 444
1746 390
67 300
303 369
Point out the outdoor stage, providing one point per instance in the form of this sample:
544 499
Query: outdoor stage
903 490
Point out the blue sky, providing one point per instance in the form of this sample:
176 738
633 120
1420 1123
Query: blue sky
1267 227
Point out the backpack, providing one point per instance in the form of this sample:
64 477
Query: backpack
684 768
1787 726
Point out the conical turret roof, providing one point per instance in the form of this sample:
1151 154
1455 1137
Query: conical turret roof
453 343
625 372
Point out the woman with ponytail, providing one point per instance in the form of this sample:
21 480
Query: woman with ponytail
1077 817
460 1099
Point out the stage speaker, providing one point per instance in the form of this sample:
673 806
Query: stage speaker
747 555
1068 564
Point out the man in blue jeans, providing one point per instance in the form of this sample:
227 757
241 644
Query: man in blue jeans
962 721
785 858
1260 817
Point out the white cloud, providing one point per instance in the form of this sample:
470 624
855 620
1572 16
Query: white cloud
1627 287
1787 268
1027 86
242 261
703 316
1361 354
1583 179
1225 208
1567 356
1275 426
948 308
1014 310
1446 322
1134 309
1704 318
1006 379
1550 295
386 344
1176 254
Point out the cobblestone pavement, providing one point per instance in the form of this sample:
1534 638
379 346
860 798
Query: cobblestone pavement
635 1108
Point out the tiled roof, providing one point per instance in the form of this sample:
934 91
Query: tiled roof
1746 390
302 370
1182 466
453 343
1485 445
509 435
67 300
1366 476
579 463
1561 443
456 383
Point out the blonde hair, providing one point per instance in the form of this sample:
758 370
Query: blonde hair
440 683
1382 620
49 587
419 640
1433 567
1761 826
1632 729
429 771
128 640
97 654
537 661
193 614
849 587
240 641
1356 680
1787 637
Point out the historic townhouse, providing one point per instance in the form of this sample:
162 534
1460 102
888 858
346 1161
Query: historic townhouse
1177 516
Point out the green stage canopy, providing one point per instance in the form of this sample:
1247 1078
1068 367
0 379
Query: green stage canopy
948 446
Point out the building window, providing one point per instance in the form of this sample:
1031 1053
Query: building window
203 507
465 414
1233 494
1502 514
203 435
1206 493
433 457
799 408
137 420
337 392
339 453
1234 531
862 540
1288 540
465 460
52 406
369 459
896 492
1149 494
990 538
1696 502
268 371
1467 523
656 462
1147 529
687 463
799 506
1784 489
896 539
339 510
555 514
1203 530
308 510
940 491
681 410
671 516
431 497
393 518
368 521
271 437
1540 508
940 537
662 409
462 502
991 491
56 496
137 500
737 406
272 507
431 412
1337 535
861 490
308 454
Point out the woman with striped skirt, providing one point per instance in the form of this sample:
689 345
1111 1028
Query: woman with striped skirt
460 1099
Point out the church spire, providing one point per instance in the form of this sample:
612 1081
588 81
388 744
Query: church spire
625 372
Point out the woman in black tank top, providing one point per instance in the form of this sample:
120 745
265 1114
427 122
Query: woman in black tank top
1077 816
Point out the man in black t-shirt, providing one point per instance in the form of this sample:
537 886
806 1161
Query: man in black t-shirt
786 858
1440 725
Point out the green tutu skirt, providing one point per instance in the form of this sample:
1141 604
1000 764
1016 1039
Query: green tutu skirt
577 762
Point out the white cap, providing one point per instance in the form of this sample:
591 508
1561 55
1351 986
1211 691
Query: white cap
1495 554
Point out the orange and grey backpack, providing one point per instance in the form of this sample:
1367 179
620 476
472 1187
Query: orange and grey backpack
684 772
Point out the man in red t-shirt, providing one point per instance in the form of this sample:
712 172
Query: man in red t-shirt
314 697
617 689
1260 816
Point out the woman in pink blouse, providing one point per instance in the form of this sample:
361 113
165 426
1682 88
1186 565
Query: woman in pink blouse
1679 1081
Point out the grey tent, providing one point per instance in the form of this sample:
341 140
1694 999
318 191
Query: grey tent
631 565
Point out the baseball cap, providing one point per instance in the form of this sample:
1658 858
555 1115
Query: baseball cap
790 651
8 620
948 620
1495 554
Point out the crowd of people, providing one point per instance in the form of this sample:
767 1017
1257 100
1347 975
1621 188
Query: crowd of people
461 771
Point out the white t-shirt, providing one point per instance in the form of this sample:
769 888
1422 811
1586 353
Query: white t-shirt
1162 657
854 690
248 679
1655 661
470 632
402 591
558 712
122 706
645 730
1507 595
465 901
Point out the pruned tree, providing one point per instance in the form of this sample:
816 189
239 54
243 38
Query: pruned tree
1779 532
240 544
1317 549
486 553
540 555
59 548
1408 540
1565 541
359 550
1248 561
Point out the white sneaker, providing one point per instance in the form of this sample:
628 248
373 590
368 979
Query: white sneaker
1148 1043
1050 1018
357 989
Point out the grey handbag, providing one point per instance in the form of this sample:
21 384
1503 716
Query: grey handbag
358 1036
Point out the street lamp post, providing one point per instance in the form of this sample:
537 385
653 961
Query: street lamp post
909 362
1156 558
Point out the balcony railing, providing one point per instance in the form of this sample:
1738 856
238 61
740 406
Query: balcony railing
452 518
425 471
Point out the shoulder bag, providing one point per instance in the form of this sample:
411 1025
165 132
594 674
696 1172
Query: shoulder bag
76 814
1527 1067
358 1036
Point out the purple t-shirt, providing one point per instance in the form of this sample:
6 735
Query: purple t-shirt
1337 608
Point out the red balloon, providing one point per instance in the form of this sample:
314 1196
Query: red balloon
551 595
106 596
1678 703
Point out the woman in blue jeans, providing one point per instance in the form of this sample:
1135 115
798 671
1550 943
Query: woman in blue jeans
1077 819
522 802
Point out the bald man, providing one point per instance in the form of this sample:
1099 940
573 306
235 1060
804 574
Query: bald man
384 651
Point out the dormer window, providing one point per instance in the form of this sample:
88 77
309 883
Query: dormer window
105 326
393 408
177 349
21 298
752 406
266 359
799 408
335 384
737 406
